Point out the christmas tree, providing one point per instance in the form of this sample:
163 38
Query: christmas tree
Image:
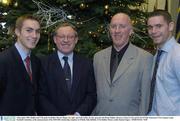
91 17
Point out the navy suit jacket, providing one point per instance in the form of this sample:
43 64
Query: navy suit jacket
17 92
54 98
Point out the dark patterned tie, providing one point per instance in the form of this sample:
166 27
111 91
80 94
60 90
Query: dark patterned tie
28 68
67 72
114 66
153 81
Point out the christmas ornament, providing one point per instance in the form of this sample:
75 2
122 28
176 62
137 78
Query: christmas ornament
6 2
106 7
106 12
90 32
15 4
82 6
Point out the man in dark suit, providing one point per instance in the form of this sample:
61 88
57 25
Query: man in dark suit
67 86
19 70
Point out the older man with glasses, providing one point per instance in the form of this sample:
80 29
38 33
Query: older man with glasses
67 86
122 73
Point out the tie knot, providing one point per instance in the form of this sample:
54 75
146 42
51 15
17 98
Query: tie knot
159 53
117 54
27 59
65 58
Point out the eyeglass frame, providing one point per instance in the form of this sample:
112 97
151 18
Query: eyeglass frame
63 37
117 26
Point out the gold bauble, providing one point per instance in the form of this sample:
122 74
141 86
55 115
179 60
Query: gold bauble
106 7
103 32
106 12
132 21
15 4
6 2
94 35
82 6
90 32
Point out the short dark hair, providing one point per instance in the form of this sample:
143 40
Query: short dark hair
159 12
65 24
21 19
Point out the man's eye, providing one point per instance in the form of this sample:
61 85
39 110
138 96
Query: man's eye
71 37
61 37
29 30
159 25
113 26
149 27
122 26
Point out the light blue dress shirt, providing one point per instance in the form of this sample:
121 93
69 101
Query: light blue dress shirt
166 100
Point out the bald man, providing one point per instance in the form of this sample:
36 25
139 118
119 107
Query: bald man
122 73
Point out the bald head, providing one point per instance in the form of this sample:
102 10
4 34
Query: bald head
121 16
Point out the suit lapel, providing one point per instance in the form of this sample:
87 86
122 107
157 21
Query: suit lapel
106 64
126 61
77 65
33 67
18 62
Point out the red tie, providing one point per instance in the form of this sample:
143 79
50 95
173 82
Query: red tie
27 60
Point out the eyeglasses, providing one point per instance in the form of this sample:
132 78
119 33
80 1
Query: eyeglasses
62 37
117 26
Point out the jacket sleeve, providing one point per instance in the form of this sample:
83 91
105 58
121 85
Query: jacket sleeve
91 97
45 107
145 83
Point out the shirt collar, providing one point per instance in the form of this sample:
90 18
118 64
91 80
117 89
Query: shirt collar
122 51
61 55
22 53
168 44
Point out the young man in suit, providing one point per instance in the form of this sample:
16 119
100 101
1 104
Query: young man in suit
122 73
67 86
19 70
165 99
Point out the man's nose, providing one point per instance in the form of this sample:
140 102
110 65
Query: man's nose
154 30
66 39
118 29
34 34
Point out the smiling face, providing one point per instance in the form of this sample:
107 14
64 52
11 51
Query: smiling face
65 39
28 34
120 30
159 29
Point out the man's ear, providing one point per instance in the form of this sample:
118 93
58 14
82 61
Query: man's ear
171 26
17 32
131 32
54 39
76 39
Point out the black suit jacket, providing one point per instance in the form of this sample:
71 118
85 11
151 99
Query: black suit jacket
17 92
54 98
